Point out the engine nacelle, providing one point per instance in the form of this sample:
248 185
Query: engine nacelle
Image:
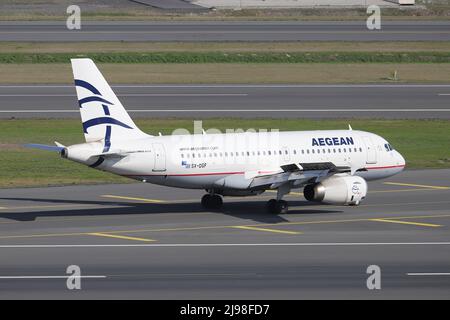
82 153
337 189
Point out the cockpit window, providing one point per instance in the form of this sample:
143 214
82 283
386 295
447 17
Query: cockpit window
388 147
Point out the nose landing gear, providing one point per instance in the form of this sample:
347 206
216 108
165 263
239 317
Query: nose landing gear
212 201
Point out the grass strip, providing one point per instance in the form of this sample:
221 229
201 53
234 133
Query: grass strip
230 57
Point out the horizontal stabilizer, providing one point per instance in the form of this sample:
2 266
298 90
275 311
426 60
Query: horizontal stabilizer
43 147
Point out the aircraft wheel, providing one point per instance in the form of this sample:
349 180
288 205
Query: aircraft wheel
212 201
217 201
283 205
272 206
277 207
206 200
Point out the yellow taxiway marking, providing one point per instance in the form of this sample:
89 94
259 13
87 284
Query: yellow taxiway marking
115 232
266 230
119 237
48 206
132 198
422 188
400 190
417 185
408 222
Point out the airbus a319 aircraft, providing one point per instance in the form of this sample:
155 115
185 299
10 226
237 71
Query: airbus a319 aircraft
331 166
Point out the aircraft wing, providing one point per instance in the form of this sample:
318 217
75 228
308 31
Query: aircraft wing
43 147
298 174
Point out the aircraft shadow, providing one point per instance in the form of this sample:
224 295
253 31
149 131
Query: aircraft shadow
252 210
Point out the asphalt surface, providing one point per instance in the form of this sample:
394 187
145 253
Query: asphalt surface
145 241
226 31
171 4
200 101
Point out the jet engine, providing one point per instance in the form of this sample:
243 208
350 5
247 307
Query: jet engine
337 189
82 153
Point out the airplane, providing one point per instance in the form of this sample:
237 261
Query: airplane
332 166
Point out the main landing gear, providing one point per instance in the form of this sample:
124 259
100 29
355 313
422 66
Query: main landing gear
212 201
277 206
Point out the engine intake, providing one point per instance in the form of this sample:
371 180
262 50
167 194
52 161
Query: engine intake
337 189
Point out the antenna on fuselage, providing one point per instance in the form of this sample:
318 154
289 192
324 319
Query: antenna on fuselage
350 127
160 134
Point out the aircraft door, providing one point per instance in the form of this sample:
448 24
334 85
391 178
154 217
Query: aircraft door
159 157
371 151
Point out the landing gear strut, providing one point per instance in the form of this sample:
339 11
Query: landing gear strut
277 206
212 201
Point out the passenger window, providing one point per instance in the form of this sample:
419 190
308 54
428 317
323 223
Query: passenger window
182 155
360 149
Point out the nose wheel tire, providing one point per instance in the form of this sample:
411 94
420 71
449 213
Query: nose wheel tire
277 206
212 201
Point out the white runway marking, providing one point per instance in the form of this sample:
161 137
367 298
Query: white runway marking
429 274
247 86
237 110
52 277
293 244
138 95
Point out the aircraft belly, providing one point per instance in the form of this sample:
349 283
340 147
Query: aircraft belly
197 181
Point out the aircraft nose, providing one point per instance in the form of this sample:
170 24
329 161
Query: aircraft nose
400 160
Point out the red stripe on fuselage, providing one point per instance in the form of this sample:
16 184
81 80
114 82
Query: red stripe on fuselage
229 173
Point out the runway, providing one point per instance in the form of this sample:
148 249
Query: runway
145 241
226 31
195 101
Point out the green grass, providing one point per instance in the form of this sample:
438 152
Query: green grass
231 57
424 143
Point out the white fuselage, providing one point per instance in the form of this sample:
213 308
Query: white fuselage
202 161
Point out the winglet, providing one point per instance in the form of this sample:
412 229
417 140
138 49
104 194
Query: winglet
59 144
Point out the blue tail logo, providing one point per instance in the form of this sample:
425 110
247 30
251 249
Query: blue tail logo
97 97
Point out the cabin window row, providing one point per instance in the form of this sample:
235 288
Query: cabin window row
264 153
